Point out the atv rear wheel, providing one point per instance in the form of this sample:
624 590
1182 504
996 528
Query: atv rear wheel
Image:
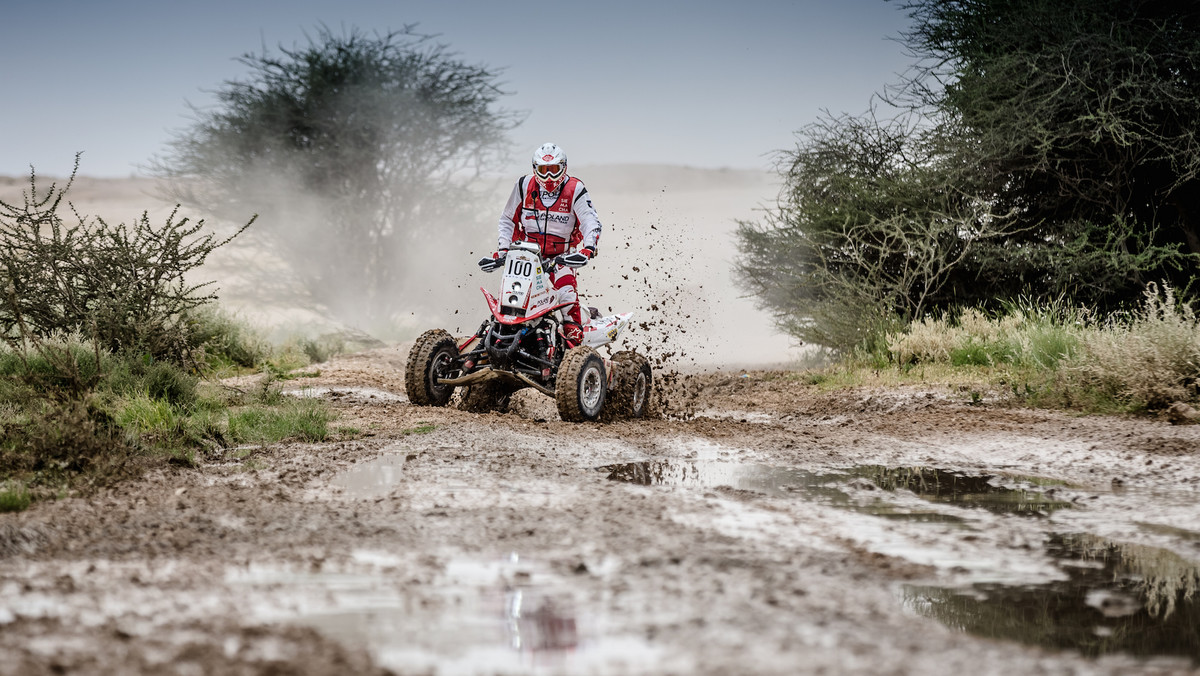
633 381
581 385
432 358
486 397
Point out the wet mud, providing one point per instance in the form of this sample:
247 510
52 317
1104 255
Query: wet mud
1113 598
768 527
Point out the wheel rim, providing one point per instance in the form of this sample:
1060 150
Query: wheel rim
591 389
437 370
639 392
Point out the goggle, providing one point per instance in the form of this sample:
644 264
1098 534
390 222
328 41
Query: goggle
549 170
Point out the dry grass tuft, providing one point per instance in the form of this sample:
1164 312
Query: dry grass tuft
1150 358
1142 360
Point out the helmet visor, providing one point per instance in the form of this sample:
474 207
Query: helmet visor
549 170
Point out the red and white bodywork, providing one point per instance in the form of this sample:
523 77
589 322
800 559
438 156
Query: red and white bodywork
531 340
527 294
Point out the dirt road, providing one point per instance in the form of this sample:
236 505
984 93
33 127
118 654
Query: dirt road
776 529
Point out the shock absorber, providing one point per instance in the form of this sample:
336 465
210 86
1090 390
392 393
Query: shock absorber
546 336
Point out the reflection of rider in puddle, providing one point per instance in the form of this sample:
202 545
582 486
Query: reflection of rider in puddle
555 211
543 629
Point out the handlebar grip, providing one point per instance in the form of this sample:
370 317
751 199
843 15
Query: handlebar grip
488 264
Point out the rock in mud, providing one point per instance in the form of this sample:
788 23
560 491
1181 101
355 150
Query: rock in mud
1182 414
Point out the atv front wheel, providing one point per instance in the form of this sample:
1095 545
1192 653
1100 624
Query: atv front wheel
631 395
581 385
431 359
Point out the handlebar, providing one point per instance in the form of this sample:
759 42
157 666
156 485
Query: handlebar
575 260
488 264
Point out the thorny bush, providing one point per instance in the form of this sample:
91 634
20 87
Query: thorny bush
122 285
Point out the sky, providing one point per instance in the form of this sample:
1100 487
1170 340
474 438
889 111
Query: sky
702 83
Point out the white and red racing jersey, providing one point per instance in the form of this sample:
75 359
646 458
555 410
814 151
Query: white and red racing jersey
556 221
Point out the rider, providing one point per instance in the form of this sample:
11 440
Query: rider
555 211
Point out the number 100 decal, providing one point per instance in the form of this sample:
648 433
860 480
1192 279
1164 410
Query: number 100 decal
520 268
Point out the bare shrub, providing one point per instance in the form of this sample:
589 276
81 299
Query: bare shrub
123 285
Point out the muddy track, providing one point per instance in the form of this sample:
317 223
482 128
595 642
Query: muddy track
774 529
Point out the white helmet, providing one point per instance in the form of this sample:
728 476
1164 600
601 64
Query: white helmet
550 167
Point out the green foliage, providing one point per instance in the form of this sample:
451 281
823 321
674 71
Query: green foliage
142 415
225 340
158 380
1023 334
301 419
1045 148
421 428
124 286
852 244
72 415
321 349
14 497
61 440
1082 117
346 145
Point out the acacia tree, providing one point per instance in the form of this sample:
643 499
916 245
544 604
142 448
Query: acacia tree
1046 148
1083 116
350 148
872 226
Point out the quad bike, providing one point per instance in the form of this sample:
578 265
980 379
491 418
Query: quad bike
523 345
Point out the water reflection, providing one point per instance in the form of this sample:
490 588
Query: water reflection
476 617
1117 598
935 485
545 628
373 478
964 490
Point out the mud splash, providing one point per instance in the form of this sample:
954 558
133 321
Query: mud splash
1115 597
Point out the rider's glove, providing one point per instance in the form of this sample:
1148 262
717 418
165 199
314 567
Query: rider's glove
497 259
575 260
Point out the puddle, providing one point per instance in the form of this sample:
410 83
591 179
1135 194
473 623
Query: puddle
1180 533
834 486
373 478
939 485
476 617
1116 597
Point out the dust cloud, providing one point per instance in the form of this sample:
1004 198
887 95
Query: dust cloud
665 255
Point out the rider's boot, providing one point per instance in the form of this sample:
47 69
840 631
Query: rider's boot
573 327
573 333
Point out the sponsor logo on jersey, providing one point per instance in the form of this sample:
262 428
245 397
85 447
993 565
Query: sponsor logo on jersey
551 216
